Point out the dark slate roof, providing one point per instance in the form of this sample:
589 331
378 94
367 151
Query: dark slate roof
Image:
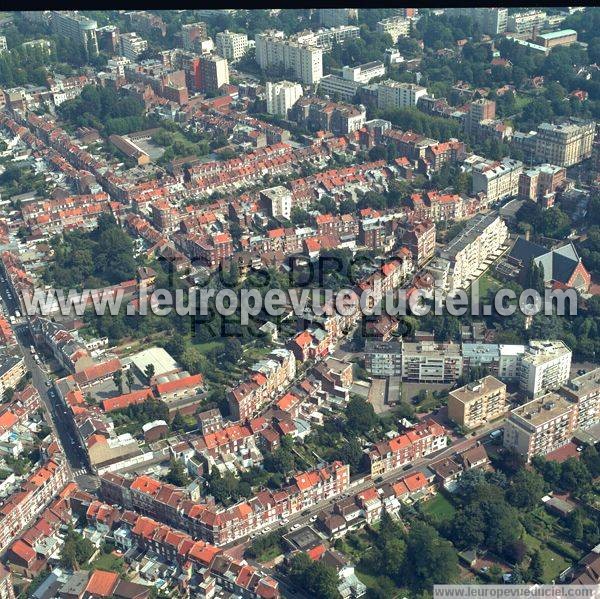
558 264
524 251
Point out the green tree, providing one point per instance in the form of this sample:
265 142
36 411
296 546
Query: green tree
430 559
149 371
526 490
360 416
129 378
536 567
177 475
232 350
118 380
178 422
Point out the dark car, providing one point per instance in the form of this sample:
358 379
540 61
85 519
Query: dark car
407 467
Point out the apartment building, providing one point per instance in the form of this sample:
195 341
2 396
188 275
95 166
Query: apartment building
585 391
12 370
338 87
481 109
334 17
325 38
232 46
540 426
541 182
564 37
492 21
383 358
526 22
319 114
23 506
267 379
218 525
6 584
132 45
75 26
478 402
304 60
394 94
279 201
281 96
497 179
214 73
425 438
544 366
419 238
351 80
471 251
395 26
431 362
564 144
192 34
363 73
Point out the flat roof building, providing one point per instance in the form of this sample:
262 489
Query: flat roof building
478 402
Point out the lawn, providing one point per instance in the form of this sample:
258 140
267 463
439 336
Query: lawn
487 282
553 563
110 562
209 346
521 101
439 508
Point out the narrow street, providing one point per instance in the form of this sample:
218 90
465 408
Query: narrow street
56 412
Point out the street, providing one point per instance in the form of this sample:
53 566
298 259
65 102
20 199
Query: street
56 412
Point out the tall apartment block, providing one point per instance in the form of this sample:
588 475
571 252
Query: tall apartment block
73 25
497 179
214 73
549 422
281 96
430 362
585 391
333 17
492 21
231 46
419 238
564 144
483 236
544 366
396 26
303 60
191 33
479 110
394 94
526 22
478 403
132 45
540 426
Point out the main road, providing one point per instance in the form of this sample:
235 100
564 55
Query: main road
56 412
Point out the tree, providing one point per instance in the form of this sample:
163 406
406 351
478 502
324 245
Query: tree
351 453
177 475
149 371
129 378
526 490
316 578
575 523
536 567
232 350
360 416
429 559
178 422
118 380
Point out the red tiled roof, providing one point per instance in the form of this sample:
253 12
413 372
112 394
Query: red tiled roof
102 583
